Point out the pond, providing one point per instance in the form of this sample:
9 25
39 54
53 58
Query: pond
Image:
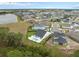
7 18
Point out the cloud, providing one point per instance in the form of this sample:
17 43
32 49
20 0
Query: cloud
4 3
76 6
16 3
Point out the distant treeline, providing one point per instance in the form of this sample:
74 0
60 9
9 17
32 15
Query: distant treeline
5 12
37 10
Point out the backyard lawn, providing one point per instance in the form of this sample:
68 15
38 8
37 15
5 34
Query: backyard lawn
31 33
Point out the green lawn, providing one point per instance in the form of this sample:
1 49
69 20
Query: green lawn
31 33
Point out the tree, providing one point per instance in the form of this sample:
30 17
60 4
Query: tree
28 53
36 54
10 38
3 35
58 20
15 53
18 39
66 16
14 39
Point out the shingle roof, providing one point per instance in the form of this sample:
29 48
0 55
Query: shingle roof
57 34
40 33
66 20
61 40
39 25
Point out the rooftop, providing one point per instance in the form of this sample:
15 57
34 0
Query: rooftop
40 33
39 25
61 40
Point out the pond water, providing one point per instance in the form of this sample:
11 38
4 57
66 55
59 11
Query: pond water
7 18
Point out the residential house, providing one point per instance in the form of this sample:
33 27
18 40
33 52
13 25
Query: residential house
39 27
66 27
75 26
39 36
60 41
59 38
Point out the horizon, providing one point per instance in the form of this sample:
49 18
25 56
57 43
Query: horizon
39 5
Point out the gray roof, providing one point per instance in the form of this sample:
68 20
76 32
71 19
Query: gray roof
66 20
40 33
57 34
39 25
61 40
75 23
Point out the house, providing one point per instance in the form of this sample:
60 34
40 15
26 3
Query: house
39 36
55 27
75 26
39 27
60 41
66 27
76 19
65 20
59 38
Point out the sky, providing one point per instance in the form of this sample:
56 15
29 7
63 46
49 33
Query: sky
39 5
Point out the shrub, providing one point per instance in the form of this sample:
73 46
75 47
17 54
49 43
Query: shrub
14 53
76 53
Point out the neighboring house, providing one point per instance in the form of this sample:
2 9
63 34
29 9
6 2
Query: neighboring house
76 19
26 17
39 36
32 21
75 26
55 27
39 27
66 27
60 41
65 20
59 38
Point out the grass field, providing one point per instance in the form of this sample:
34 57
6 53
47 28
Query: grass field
17 27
